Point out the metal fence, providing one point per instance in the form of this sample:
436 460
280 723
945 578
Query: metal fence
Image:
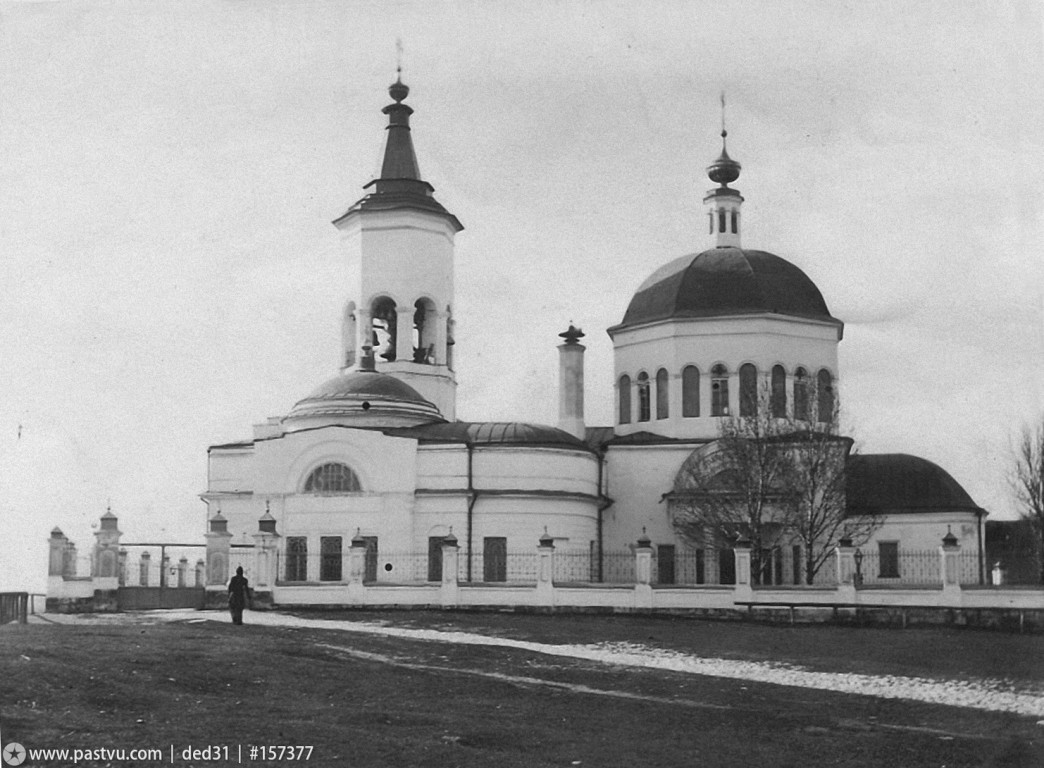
778 567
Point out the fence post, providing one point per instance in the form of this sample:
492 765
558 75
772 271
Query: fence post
266 542
743 591
201 570
123 567
449 592
357 568
846 570
56 544
219 550
643 594
949 553
182 572
545 588
144 567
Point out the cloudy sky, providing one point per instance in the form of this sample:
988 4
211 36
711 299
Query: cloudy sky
169 171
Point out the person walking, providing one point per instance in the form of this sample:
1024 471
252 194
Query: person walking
238 595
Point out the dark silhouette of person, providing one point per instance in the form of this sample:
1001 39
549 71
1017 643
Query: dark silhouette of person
238 594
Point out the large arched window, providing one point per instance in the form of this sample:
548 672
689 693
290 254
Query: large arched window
719 391
690 391
801 404
332 478
748 375
779 392
825 395
644 410
662 394
625 399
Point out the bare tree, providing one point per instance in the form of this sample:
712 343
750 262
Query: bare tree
1027 482
773 478
818 516
734 487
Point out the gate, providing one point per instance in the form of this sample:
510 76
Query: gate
152 598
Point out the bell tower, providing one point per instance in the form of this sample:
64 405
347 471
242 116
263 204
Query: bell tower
399 243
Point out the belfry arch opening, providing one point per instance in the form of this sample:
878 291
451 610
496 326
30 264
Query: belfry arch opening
425 318
383 321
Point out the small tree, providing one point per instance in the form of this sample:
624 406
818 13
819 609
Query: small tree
1027 482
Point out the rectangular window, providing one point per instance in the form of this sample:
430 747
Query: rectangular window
888 559
434 558
329 558
665 564
370 563
726 566
296 558
494 558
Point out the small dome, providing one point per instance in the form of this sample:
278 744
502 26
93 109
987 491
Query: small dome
365 396
886 483
726 281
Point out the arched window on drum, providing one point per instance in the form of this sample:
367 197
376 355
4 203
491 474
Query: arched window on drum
332 478
825 395
748 376
719 390
690 391
644 410
801 404
625 399
662 394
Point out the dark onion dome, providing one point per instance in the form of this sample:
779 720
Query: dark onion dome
490 433
726 281
364 393
724 170
400 185
893 483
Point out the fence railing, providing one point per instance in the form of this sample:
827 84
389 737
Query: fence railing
14 607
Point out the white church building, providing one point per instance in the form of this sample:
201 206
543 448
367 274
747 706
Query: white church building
375 454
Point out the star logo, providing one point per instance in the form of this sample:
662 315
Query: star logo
14 753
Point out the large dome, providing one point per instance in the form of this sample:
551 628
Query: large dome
364 398
726 281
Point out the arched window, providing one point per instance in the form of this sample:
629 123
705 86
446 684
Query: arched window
644 413
779 392
662 394
332 478
825 395
384 320
719 391
748 375
625 399
690 391
801 404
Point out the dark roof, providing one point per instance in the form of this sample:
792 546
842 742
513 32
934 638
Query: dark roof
400 185
726 281
366 384
886 483
492 433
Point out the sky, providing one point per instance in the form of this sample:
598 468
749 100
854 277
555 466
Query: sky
169 172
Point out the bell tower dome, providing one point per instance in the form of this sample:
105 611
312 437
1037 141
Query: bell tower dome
399 243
